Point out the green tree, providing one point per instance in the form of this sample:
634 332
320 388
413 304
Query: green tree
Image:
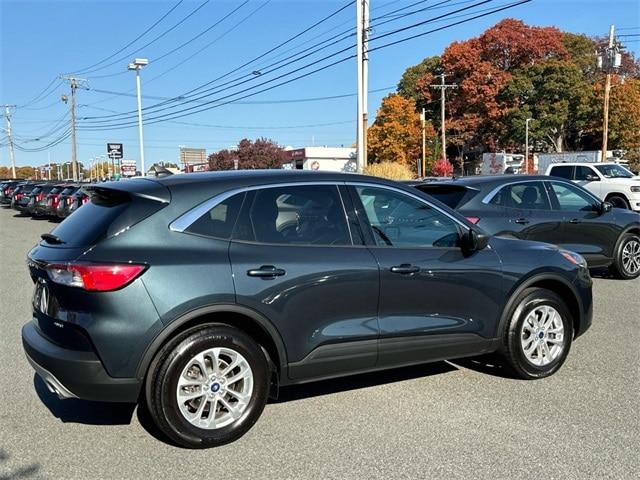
559 99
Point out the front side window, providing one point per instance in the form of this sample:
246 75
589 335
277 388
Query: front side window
299 215
562 171
571 198
398 220
526 195
585 173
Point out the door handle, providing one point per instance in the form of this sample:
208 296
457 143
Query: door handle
405 269
574 220
266 271
522 221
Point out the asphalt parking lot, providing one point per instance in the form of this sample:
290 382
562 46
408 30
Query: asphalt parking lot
463 419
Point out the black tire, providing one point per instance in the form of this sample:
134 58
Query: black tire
162 381
618 201
618 268
512 349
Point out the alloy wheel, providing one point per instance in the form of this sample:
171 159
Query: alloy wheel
631 257
214 388
542 335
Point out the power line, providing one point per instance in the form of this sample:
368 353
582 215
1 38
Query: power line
184 44
103 120
44 93
165 15
158 37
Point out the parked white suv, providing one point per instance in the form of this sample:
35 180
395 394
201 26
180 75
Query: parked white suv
609 181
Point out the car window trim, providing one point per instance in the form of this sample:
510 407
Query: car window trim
489 196
183 222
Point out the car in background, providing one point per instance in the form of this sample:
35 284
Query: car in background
65 199
198 295
78 199
547 209
608 181
52 199
37 205
6 190
20 196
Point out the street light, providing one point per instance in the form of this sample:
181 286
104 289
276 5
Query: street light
526 145
136 65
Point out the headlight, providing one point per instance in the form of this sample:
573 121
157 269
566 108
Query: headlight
574 258
635 189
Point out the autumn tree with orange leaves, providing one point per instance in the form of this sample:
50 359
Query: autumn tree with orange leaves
514 71
396 134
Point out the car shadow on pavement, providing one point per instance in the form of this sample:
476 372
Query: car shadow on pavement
27 471
490 364
84 411
353 382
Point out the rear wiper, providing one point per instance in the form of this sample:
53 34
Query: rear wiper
51 238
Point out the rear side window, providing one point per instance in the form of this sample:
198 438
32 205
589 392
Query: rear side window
562 171
104 216
219 221
68 191
454 196
299 215
526 195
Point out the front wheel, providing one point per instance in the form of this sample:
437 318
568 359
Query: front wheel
626 264
208 387
538 336
618 201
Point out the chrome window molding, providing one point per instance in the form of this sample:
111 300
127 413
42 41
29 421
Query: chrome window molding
489 196
184 221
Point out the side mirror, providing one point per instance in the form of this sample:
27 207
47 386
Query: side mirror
472 241
592 178
604 207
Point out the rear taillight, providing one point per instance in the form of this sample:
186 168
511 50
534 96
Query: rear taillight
85 200
94 277
8 191
18 196
39 197
473 220
69 200
54 201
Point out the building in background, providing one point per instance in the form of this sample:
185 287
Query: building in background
333 159
192 156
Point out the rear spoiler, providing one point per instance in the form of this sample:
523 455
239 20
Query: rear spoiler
126 189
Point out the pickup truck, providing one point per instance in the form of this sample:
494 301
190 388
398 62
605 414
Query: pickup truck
610 182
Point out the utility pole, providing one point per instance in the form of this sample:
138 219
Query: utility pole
422 167
526 145
609 61
442 86
74 83
362 32
7 114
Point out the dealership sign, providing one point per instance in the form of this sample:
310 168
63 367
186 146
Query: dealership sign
128 168
114 150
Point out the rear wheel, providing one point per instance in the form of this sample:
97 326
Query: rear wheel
538 336
208 387
626 264
618 201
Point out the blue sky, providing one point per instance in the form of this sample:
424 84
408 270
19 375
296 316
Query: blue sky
42 39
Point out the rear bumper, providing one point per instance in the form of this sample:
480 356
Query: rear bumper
75 374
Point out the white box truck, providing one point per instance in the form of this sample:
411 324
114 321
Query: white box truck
500 163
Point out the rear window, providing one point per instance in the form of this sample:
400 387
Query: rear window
103 217
454 196
68 191
36 190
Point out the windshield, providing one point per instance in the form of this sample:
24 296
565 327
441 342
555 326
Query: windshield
614 171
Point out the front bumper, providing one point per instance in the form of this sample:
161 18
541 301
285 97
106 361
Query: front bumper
73 373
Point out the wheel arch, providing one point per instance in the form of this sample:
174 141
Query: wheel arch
554 283
617 194
249 321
